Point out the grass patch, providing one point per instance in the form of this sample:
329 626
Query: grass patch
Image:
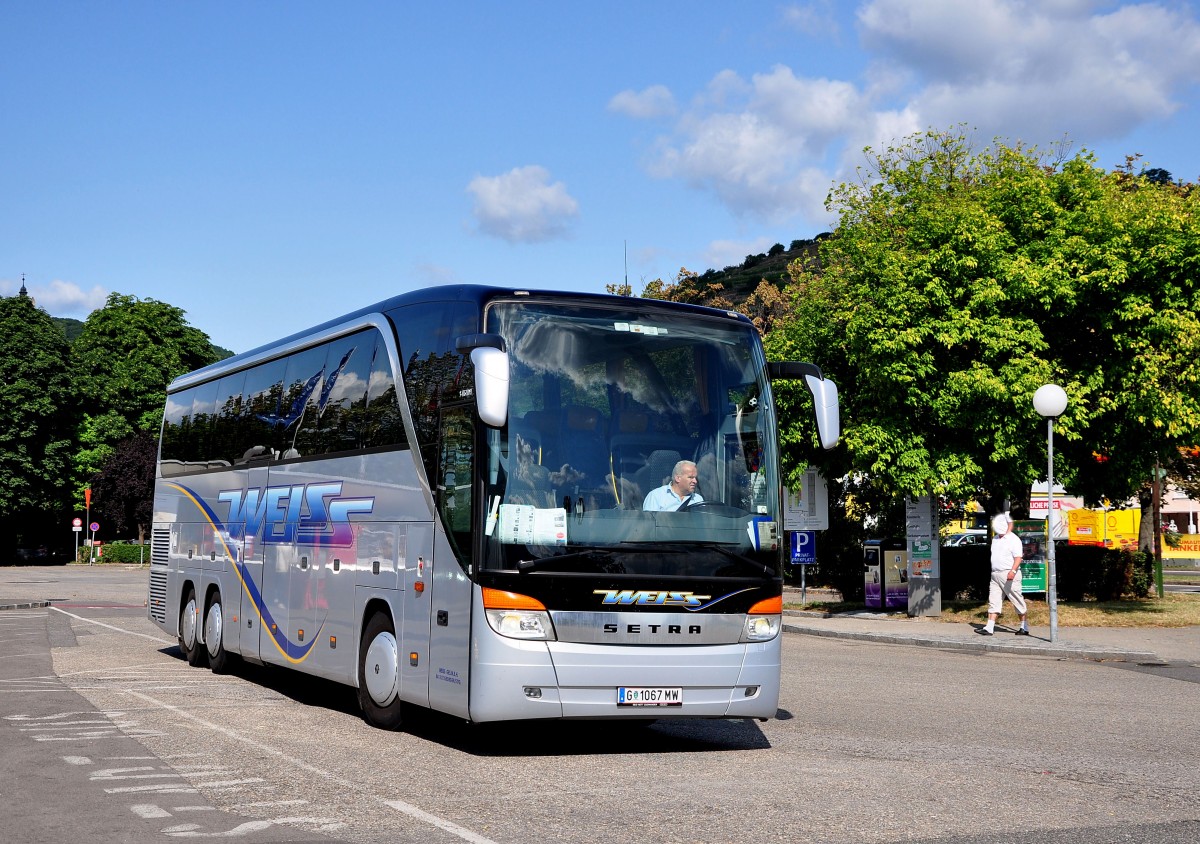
1174 610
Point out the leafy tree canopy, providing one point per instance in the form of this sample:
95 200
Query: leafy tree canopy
958 282
37 423
123 490
127 353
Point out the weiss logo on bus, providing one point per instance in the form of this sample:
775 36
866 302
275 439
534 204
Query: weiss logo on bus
641 598
309 514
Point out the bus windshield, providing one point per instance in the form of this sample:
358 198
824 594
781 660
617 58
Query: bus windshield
634 444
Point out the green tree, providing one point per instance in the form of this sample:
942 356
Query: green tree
126 354
123 490
959 282
37 422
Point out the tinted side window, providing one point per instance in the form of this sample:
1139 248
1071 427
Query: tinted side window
385 421
434 372
264 389
299 407
348 364
177 423
204 404
230 423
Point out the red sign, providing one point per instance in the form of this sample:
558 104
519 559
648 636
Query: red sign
77 523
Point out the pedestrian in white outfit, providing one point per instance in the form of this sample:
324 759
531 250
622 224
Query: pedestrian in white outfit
1006 576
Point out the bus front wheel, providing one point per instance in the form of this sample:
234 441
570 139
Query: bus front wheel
379 673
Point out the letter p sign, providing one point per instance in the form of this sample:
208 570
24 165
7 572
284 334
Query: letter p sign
804 548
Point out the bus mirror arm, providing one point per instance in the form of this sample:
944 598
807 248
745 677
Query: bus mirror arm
470 342
824 392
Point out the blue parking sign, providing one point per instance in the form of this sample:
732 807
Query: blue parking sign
804 548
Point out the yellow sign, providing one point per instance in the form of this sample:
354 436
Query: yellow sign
1120 529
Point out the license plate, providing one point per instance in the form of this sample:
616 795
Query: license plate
649 696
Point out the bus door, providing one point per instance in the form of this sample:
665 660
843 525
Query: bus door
450 632
416 571
253 615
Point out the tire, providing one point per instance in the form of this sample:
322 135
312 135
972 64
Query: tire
219 659
189 633
379 673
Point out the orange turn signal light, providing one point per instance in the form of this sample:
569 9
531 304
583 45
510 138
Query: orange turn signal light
768 606
498 599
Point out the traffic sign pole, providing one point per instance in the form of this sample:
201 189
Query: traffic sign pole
87 503
94 526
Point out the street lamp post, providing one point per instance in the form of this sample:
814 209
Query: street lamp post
1050 401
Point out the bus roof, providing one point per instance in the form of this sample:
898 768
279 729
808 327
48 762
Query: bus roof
478 293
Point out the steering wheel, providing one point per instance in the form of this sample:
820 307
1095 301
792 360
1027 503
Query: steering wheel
717 508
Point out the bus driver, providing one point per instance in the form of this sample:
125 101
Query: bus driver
677 494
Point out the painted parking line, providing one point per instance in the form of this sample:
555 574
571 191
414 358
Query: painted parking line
196 831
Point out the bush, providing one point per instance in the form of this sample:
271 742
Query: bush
966 572
119 553
1083 572
1102 574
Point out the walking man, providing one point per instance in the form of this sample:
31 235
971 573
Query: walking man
1006 576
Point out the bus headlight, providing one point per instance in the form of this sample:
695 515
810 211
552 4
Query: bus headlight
517 616
761 628
521 624
764 620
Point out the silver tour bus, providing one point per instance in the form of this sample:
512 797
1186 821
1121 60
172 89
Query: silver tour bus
439 501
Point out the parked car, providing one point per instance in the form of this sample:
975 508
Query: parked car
970 537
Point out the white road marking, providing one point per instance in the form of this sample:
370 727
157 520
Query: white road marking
158 639
190 830
398 805
158 788
452 828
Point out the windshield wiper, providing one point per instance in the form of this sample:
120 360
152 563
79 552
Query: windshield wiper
728 553
602 557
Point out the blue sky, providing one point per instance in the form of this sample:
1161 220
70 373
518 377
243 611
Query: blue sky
267 165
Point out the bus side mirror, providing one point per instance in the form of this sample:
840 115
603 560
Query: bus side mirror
491 375
824 392
491 385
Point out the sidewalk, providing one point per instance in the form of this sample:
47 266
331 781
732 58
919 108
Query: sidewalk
1153 645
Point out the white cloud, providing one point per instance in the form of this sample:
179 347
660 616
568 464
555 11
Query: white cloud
522 205
60 298
763 145
770 146
812 19
655 101
1034 70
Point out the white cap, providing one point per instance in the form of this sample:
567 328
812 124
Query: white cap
1000 523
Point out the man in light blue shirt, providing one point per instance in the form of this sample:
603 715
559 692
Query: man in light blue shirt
680 492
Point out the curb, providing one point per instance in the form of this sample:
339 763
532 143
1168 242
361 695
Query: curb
1058 651
25 605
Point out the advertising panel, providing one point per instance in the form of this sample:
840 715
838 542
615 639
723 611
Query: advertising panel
1033 555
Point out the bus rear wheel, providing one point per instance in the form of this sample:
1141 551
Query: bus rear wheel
189 630
379 673
214 636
